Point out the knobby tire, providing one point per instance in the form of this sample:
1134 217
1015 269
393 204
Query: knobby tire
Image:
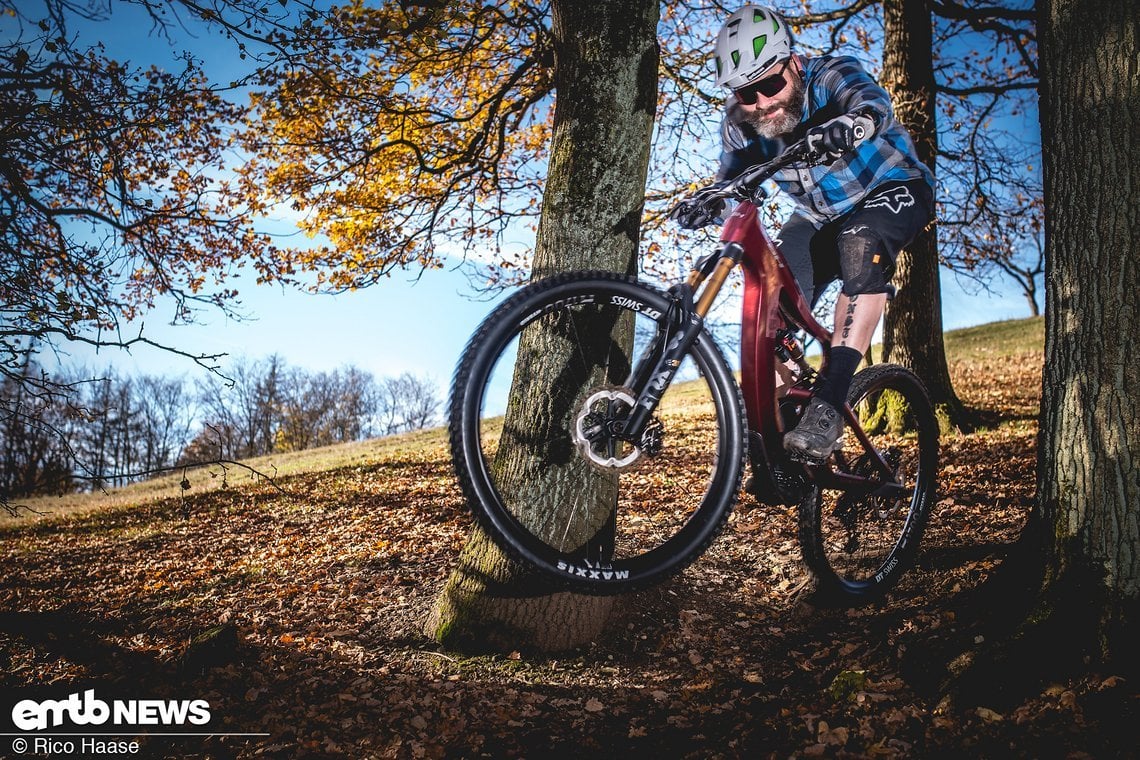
520 471
858 547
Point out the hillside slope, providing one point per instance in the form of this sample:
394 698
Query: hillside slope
997 354
297 617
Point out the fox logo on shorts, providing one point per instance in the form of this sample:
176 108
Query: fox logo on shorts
895 198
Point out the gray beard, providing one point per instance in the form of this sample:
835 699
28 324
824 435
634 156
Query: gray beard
770 129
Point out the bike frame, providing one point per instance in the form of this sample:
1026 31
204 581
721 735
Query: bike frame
770 295
772 298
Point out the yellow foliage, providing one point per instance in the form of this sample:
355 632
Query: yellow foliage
422 126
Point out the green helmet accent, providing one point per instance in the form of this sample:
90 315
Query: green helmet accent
758 45
752 40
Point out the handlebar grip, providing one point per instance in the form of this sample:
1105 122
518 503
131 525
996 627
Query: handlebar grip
863 128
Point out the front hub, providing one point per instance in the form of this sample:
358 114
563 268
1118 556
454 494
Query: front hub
599 430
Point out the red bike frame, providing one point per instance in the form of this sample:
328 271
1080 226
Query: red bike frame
768 285
771 298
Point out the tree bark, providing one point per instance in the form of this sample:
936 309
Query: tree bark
912 330
606 84
1088 510
1069 594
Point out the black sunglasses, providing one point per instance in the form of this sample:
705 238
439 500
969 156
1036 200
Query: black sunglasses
768 86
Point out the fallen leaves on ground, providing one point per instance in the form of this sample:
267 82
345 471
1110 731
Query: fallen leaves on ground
313 609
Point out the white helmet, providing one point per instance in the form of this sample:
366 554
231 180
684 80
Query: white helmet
751 40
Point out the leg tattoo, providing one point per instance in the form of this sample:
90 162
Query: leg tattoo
849 320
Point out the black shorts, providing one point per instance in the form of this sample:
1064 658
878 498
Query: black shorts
890 217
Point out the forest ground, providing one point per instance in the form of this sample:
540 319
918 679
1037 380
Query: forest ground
298 616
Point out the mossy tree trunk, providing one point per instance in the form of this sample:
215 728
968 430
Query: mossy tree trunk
889 412
1088 511
606 84
912 330
1069 595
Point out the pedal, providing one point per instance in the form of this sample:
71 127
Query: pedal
803 457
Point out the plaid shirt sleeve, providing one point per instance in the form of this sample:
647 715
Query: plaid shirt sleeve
840 85
834 86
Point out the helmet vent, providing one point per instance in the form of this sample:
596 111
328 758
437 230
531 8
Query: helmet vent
758 45
749 41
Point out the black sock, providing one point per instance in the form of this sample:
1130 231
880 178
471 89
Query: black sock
840 369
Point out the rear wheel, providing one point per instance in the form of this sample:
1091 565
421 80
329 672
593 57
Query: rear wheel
859 539
537 411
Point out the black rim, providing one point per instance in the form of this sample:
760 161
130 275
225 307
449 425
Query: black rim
469 396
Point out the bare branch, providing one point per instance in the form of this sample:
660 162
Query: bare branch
953 10
987 89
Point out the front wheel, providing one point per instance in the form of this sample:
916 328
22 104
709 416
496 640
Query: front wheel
537 413
861 523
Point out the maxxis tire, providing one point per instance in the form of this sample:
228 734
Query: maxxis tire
465 411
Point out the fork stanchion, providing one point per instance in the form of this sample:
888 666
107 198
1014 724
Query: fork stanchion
695 279
728 258
713 286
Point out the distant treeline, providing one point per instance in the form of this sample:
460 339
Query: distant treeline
88 434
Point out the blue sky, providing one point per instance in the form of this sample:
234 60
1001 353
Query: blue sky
407 323
396 326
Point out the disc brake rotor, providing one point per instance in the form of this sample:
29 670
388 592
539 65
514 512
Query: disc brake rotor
598 424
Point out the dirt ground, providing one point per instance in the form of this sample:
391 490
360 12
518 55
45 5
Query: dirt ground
307 612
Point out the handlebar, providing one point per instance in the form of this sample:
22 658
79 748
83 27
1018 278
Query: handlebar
746 184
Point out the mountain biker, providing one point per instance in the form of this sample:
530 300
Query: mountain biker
853 213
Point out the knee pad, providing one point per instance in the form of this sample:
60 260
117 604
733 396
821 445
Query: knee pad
863 262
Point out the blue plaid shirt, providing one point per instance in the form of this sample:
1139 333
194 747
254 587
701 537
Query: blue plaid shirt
834 85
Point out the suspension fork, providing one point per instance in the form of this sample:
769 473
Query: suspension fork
684 322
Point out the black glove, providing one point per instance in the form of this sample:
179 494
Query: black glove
840 136
699 210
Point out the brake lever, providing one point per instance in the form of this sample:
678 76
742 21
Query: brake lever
758 195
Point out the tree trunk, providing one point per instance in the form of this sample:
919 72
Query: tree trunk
1069 594
1088 510
606 83
912 331
1031 297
